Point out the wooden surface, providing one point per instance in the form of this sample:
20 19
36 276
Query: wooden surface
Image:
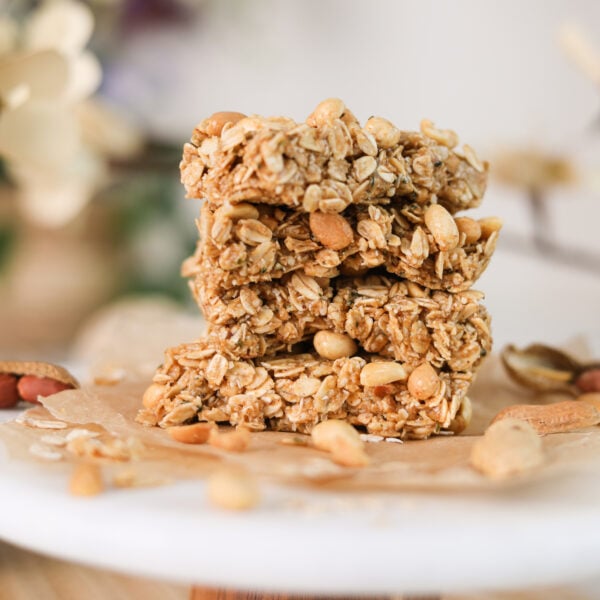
28 576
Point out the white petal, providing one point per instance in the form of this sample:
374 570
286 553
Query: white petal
85 77
45 73
62 24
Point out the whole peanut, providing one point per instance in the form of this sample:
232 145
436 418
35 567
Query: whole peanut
30 387
9 396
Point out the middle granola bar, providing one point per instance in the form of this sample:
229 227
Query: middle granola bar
244 243
384 315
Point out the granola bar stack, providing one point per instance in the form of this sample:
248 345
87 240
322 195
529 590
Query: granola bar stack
333 274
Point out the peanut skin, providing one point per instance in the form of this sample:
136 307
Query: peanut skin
9 396
30 387
559 417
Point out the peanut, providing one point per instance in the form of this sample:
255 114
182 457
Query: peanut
470 228
589 381
31 387
215 123
326 112
442 226
423 382
331 229
569 415
507 448
342 441
198 433
333 345
153 396
489 225
385 133
381 373
243 210
86 480
231 441
232 490
9 395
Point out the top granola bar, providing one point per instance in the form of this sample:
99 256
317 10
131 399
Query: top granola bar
329 162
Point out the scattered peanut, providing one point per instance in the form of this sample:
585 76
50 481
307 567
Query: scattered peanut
9 396
507 448
589 380
198 433
31 387
342 441
381 373
331 229
423 382
442 226
231 441
333 345
559 417
232 490
470 228
86 480
215 123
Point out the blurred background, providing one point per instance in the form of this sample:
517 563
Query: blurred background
97 98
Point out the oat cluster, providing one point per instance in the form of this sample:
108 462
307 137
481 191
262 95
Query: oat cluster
335 276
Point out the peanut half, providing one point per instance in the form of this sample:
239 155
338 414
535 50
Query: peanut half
331 229
382 373
30 379
559 417
198 433
507 448
332 345
342 441
442 226
231 441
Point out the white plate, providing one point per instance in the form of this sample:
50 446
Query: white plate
315 542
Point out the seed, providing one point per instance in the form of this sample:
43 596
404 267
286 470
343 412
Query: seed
331 229
237 211
385 133
332 345
442 226
30 387
470 228
215 123
423 382
86 480
381 373
232 490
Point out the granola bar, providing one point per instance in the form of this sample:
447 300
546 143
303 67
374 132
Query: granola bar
252 243
295 392
383 315
329 162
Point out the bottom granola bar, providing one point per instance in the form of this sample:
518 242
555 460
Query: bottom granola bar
295 392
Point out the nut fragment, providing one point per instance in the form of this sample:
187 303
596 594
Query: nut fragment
31 387
86 480
470 228
9 396
442 226
559 417
423 382
231 441
198 433
382 373
342 441
332 345
215 123
507 448
331 229
232 490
